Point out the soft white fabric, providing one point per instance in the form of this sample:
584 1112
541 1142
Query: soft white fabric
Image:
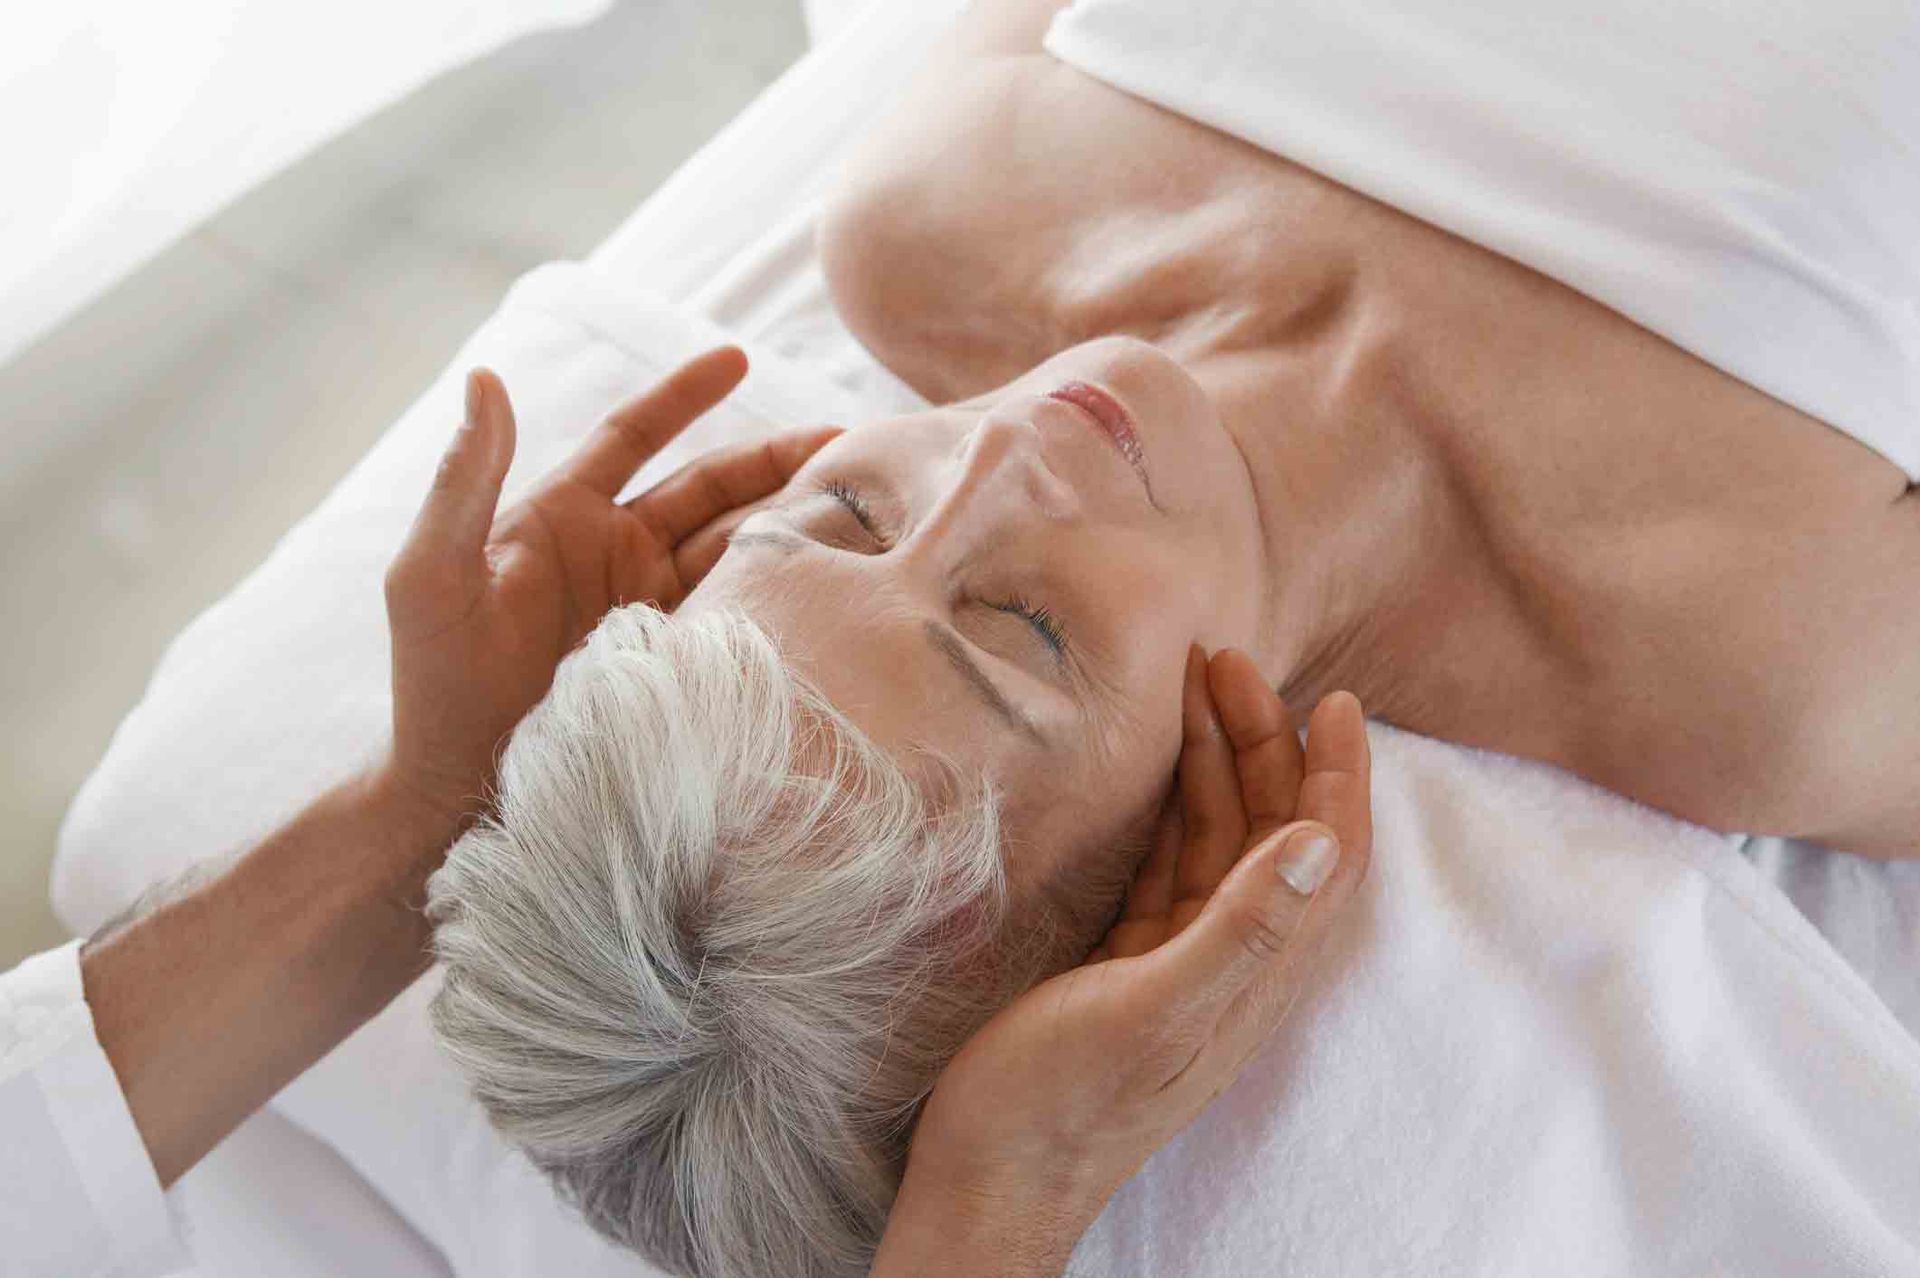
1741 178
274 1201
1868 909
78 1194
1563 1037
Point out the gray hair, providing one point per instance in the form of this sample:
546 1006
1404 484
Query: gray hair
714 947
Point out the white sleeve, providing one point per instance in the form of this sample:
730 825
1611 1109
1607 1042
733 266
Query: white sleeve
78 1194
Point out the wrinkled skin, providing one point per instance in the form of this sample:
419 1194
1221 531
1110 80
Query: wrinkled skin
1016 525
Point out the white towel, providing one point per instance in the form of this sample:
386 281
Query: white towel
1559 1033
1563 1034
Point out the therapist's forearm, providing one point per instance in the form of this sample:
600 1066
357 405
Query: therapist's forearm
217 998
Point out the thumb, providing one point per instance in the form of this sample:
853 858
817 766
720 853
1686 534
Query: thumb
1230 971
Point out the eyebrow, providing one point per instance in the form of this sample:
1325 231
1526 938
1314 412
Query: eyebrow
944 638
949 644
775 538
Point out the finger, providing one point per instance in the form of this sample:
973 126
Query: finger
1266 752
1337 788
1210 810
716 484
1150 896
447 543
1226 981
1145 916
643 425
695 557
1335 794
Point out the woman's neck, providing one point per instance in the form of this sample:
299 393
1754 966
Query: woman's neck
1377 578
1341 503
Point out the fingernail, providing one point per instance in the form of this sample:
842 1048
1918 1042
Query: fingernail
473 396
1306 859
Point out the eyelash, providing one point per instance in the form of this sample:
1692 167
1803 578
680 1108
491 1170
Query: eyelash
844 494
1043 621
1039 617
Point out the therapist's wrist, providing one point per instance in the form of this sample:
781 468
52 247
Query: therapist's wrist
940 1229
960 1211
423 800
421 821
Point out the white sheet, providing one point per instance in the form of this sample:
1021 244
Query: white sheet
1544 986
274 1201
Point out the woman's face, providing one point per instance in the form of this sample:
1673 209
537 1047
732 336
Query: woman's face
1013 585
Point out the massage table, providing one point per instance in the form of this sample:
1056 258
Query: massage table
375 1163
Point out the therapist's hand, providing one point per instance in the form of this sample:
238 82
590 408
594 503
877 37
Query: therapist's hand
209 1001
1063 1095
481 609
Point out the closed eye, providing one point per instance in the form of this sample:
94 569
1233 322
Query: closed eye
844 493
1044 623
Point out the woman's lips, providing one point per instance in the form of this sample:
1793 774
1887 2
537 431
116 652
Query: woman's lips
1113 419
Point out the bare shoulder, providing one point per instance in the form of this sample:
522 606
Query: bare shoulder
1786 698
955 244
1865 731
941 216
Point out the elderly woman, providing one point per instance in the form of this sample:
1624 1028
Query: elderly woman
759 868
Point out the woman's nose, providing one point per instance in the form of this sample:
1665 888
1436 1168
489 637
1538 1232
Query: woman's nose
998 483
